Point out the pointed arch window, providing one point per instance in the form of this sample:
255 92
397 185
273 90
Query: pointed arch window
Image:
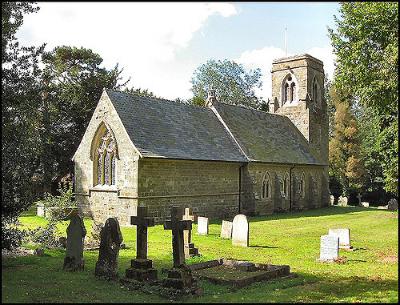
289 90
285 186
266 187
316 94
301 188
104 153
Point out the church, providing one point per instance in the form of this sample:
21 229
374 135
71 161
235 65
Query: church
220 160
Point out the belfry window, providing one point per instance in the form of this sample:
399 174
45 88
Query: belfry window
316 93
105 155
289 94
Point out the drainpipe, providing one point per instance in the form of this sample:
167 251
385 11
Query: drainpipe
240 187
290 187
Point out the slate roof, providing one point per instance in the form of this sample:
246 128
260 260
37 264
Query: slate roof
166 129
266 137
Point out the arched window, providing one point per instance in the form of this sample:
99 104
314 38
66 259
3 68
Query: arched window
285 186
104 152
289 94
316 94
266 187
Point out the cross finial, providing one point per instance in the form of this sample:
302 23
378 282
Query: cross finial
212 98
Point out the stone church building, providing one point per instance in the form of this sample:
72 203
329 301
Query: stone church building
219 160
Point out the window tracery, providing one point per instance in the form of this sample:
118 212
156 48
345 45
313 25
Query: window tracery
105 158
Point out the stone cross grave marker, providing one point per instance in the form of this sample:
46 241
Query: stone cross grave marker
240 231
141 268
329 248
76 233
226 229
202 225
110 242
177 225
344 237
190 249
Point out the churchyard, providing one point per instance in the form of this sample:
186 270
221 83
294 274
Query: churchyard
368 273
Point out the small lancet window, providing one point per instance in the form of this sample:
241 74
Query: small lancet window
266 187
289 90
316 93
301 189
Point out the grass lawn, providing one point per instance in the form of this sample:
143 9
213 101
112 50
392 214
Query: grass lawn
369 275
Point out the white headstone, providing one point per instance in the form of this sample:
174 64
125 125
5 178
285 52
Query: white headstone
332 199
226 229
342 201
343 235
202 225
40 210
365 204
240 231
329 248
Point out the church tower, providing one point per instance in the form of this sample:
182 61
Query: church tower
298 93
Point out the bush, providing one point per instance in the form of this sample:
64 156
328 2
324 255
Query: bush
11 236
46 236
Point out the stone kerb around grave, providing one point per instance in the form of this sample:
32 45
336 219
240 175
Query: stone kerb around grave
240 231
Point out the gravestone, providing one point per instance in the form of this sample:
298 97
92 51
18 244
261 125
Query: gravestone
342 201
190 249
359 199
240 231
329 248
110 242
393 205
344 237
202 225
332 199
40 210
180 276
226 229
141 268
365 204
76 232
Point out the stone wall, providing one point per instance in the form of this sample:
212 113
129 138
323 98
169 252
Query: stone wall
211 189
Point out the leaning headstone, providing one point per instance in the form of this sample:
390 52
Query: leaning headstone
110 241
76 232
202 225
141 268
190 249
344 237
180 275
226 229
240 231
329 248
393 205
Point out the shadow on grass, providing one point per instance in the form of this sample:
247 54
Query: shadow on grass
265 247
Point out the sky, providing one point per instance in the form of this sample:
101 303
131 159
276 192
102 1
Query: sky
160 44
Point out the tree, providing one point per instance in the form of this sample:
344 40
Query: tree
232 83
366 45
346 164
72 83
20 97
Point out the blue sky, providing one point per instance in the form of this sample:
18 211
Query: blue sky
161 44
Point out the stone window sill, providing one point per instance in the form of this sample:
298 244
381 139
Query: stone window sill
104 188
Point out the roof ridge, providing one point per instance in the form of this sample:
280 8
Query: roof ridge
252 109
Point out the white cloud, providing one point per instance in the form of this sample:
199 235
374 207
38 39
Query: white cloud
262 58
142 37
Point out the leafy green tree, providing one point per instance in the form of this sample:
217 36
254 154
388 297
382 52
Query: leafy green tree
20 97
233 84
72 83
140 91
346 164
366 45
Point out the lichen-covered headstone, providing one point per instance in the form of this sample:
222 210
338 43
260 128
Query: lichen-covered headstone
240 231
202 225
76 232
393 205
329 248
226 229
110 242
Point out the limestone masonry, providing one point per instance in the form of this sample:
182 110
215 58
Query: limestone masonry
219 160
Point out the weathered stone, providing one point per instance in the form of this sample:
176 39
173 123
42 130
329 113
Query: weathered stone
226 229
111 239
332 199
342 201
202 225
76 232
343 235
240 231
329 248
393 205
190 249
141 267
364 204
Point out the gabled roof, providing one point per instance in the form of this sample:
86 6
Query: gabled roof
266 137
166 129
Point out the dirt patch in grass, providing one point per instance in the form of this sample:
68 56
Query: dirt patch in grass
387 257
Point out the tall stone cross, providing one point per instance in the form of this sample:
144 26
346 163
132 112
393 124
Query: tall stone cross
177 225
142 222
